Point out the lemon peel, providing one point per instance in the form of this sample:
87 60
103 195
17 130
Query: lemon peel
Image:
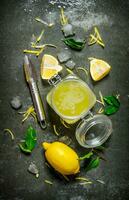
10 132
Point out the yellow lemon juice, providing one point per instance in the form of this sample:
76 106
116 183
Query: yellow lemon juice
72 99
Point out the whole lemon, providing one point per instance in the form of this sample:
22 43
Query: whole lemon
62 158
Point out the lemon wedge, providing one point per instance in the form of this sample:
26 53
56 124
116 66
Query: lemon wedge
49 66
99 69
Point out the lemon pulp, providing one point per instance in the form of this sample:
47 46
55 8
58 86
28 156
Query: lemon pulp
72 98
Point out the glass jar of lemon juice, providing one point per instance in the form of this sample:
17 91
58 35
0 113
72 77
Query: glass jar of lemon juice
72 99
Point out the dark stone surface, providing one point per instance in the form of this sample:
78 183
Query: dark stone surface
17 25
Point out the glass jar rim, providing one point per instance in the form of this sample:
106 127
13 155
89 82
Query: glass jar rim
86 124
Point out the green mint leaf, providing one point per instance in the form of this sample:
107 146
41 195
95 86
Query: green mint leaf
112 105
93 164
108 100
112 100
115 101
72 43
109 110
30 140
86 156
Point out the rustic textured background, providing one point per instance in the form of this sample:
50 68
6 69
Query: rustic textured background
17 24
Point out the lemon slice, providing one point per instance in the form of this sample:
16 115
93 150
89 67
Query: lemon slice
99 69
49 66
